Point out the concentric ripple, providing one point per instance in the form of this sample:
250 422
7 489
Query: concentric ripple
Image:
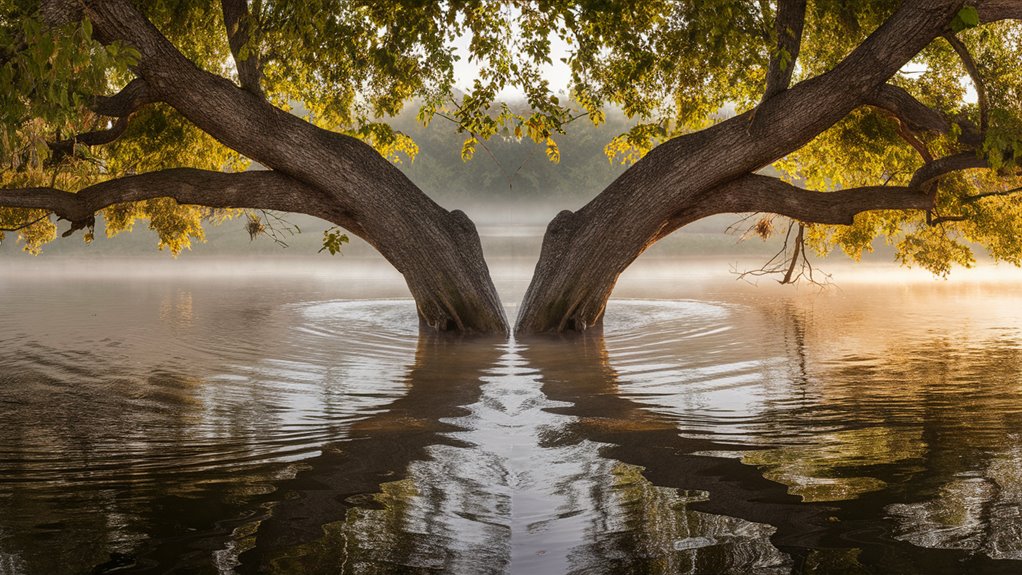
177 425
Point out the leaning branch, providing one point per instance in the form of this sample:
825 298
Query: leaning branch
124 103
766 194
914 114
915 117
66 147
977 79
930 172
758 193
791 15
238 22
994 10
256 190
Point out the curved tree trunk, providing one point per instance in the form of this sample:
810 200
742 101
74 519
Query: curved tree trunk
708 172
437 251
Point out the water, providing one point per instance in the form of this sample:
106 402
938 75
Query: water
290 421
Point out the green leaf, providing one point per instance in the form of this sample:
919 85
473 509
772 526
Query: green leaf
333 239
969 16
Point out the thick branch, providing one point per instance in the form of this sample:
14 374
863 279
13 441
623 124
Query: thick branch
943 166
55 13
915 116
913 113
759 193
238 22
977 80
96 138
756 193
788 29
437 251
258 190
994 10
132 97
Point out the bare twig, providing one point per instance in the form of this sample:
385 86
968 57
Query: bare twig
978 197
799 239
27 224
793 268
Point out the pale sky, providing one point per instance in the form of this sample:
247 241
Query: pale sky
557 73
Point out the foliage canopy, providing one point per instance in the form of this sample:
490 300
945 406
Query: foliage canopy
673 67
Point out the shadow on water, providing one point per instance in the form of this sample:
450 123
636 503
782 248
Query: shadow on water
532 457
349 510
696 436
947 508
704 515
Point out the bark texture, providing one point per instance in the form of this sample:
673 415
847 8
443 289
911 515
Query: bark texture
709 172
791 16
237 21
335 177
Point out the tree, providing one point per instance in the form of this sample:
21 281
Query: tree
862 102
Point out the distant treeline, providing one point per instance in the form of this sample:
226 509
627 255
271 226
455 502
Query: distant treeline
507 169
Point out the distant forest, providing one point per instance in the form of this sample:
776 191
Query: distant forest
505 169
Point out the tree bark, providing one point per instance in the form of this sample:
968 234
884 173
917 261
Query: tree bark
437 251
687 178
791 17
238 22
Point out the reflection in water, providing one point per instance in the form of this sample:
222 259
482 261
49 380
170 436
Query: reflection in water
396 492
263 427
504 483
669 512
145 441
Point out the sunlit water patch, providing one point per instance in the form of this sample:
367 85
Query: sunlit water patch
282 426
152 411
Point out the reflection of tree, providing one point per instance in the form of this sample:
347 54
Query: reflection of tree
170 495
920 430
646 516
967 483
63 488
351 509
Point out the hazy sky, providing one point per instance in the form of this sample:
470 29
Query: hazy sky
559 75
465 72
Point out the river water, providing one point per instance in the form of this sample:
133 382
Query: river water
205 418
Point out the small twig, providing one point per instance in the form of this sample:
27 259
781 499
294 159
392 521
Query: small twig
733 228
794 269
25 225
978 197
264 225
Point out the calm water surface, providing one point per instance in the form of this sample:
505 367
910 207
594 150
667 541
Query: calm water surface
265 422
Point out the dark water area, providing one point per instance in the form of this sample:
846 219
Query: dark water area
202 419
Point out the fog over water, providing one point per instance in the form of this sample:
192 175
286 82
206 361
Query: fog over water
228 414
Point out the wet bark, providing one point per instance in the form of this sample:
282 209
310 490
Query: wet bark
709 172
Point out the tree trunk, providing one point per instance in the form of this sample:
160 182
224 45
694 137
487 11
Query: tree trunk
692 176
437 251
